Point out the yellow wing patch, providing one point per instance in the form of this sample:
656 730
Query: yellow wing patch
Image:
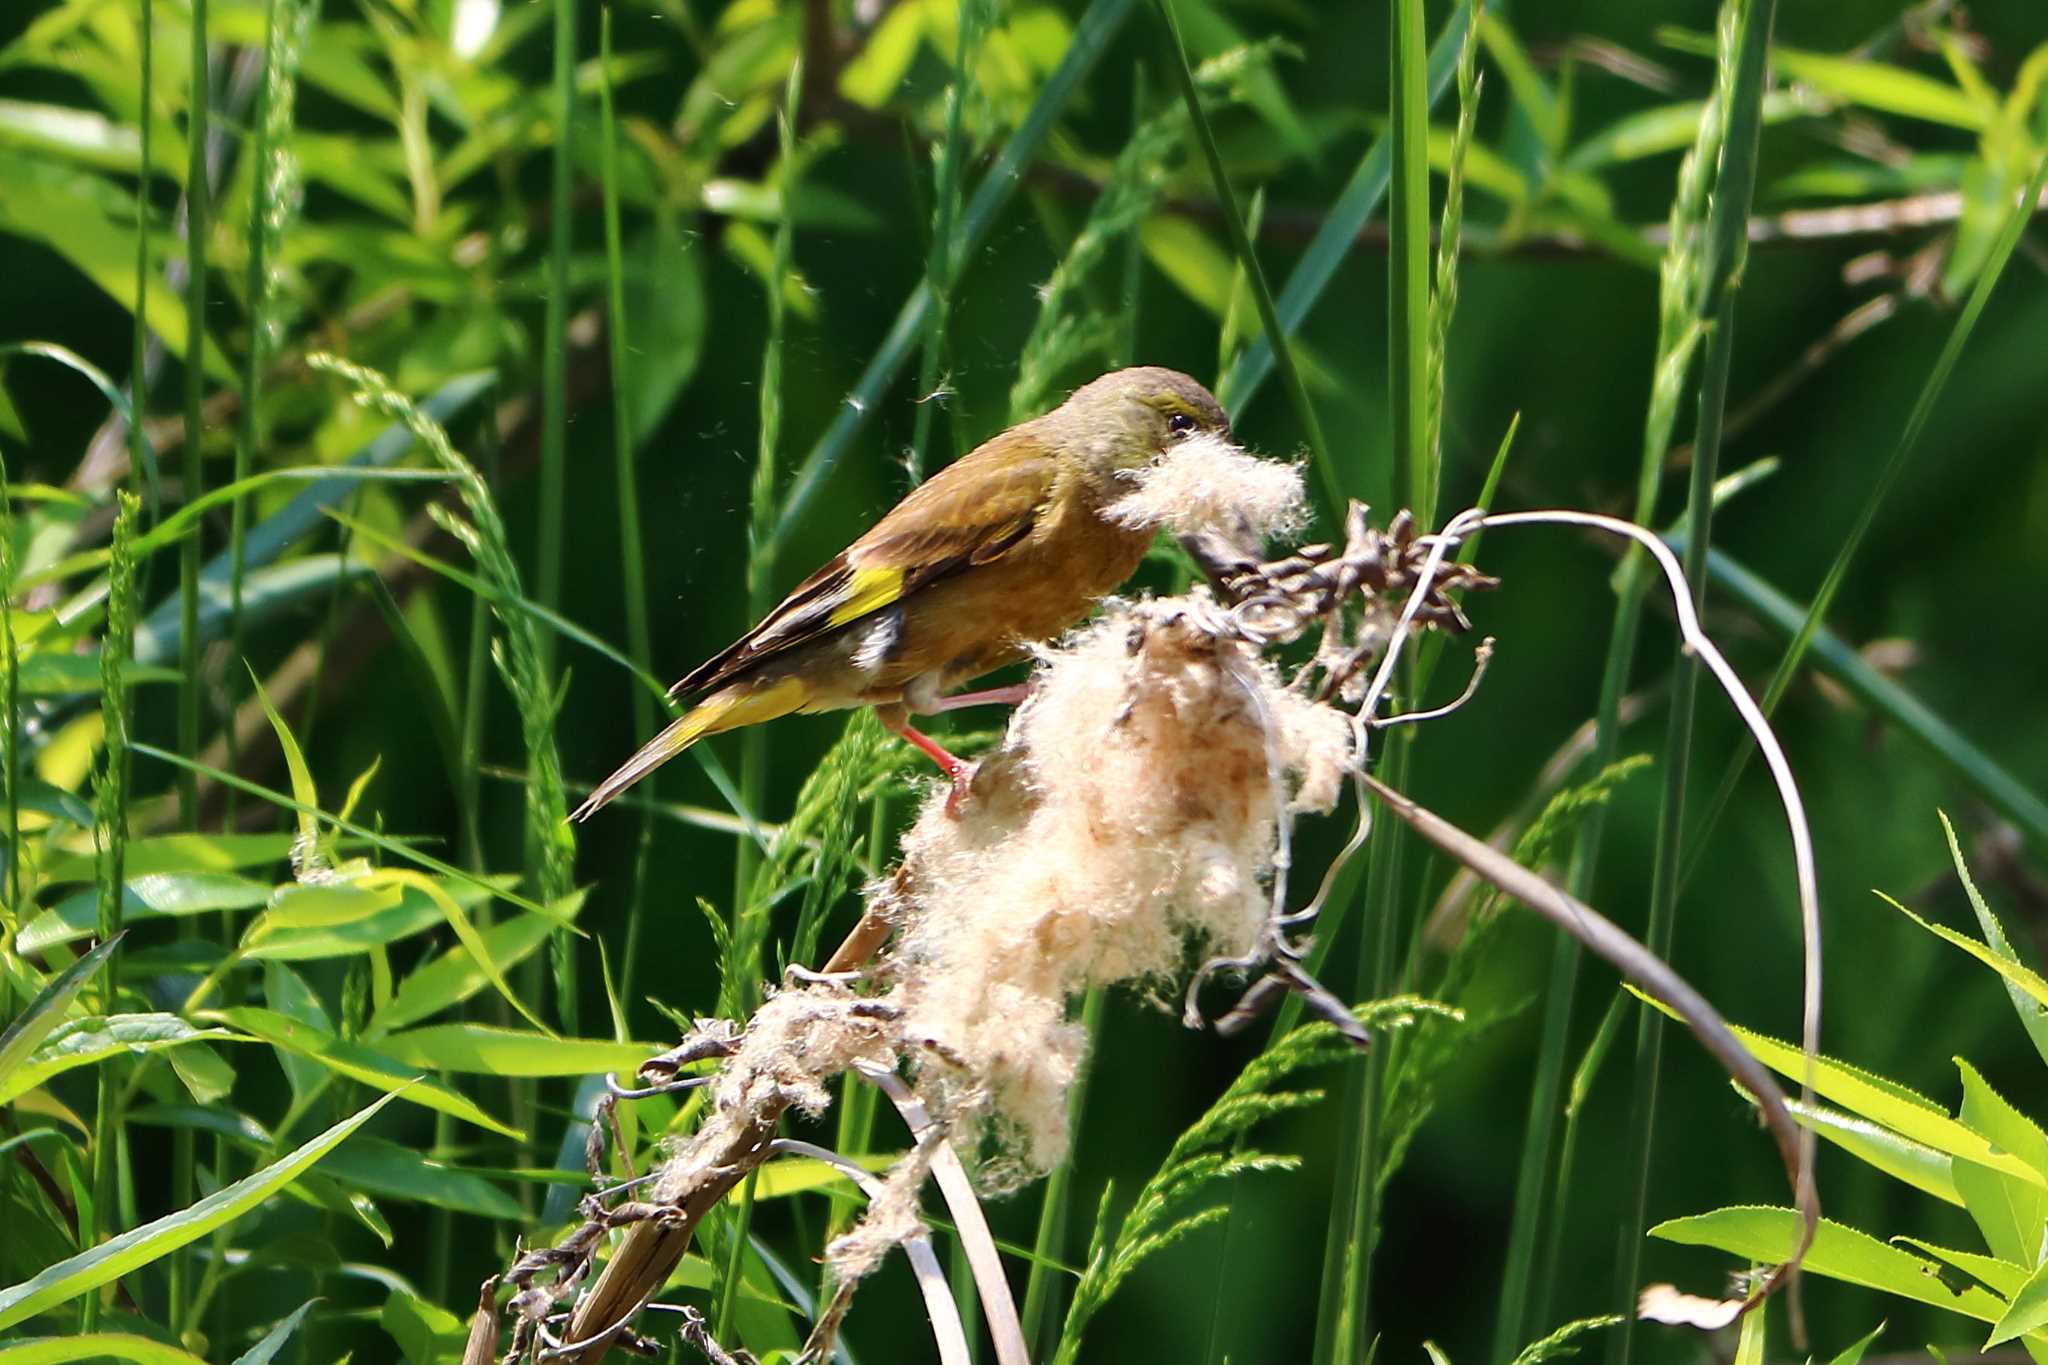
874 586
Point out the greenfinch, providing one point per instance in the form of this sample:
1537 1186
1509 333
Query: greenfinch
1006 546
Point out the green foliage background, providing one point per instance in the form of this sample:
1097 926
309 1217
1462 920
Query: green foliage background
421 251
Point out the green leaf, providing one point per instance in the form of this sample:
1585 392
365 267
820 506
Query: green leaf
1898 1157
306 851
413 914
95 1346
178 853
265 1351
458 920
150 896
1766 1236
51 674
2017 978
454 976
1671 128
28 1029
2010 1212
485 1049
2002 1278
82 1042
131 1250
2028 1311
360 1063
1873 85
323 905
1853 1355
398 1172
1882 1101
2031 1008
425 1332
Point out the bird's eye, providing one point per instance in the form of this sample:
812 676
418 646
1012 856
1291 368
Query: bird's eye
1180 424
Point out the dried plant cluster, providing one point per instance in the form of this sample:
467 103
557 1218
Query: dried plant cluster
1134 818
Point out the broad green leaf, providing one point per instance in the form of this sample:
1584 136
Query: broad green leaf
51 674
2032 1009
2010 1212
82 1042
488 1050
96 1346
179 853
1899 1157
413 915
206 1075
2002 1278
265 1351
359 1063
2028 1311
324 904
425 1332
28 1029
801 1175
1766 1235
398 1172
1884 1102
1193 260
131 1250
152 895
458 920
454 976
82 135
285 991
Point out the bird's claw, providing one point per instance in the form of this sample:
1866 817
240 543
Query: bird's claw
963 783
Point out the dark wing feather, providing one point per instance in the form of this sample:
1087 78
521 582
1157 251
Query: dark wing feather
970 513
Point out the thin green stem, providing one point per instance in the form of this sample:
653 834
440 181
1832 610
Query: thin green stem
1041 1289
1093 34
1240 241
1721 267
939 263
1408 263
554 434
625 440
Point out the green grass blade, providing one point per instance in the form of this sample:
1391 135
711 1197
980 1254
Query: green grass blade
1304 410
971 20
195 427
28 1029
1332 242
1998 787
1726 246
132 1250
554 431
1908 442
95 1346
1408 265
632 551
1092 37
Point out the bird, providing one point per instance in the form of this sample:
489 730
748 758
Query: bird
1005 547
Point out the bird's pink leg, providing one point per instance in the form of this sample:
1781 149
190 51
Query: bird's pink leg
958 771
994 696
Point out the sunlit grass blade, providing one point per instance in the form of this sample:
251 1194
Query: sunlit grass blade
1333 484
1742 67
196 216
132 1250
554 340
1093 34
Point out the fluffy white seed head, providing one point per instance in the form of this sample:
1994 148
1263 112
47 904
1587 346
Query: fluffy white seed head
1205 483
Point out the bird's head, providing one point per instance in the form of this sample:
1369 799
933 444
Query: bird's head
1122 421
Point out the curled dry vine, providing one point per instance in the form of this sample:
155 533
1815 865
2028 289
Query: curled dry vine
1140 804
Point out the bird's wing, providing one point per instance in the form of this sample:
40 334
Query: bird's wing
970 513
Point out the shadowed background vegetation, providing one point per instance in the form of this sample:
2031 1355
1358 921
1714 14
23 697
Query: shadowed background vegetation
665 345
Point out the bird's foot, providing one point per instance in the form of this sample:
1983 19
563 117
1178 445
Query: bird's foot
958 771
1013 695
963 784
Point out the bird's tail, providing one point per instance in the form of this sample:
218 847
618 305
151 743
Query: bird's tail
727 709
